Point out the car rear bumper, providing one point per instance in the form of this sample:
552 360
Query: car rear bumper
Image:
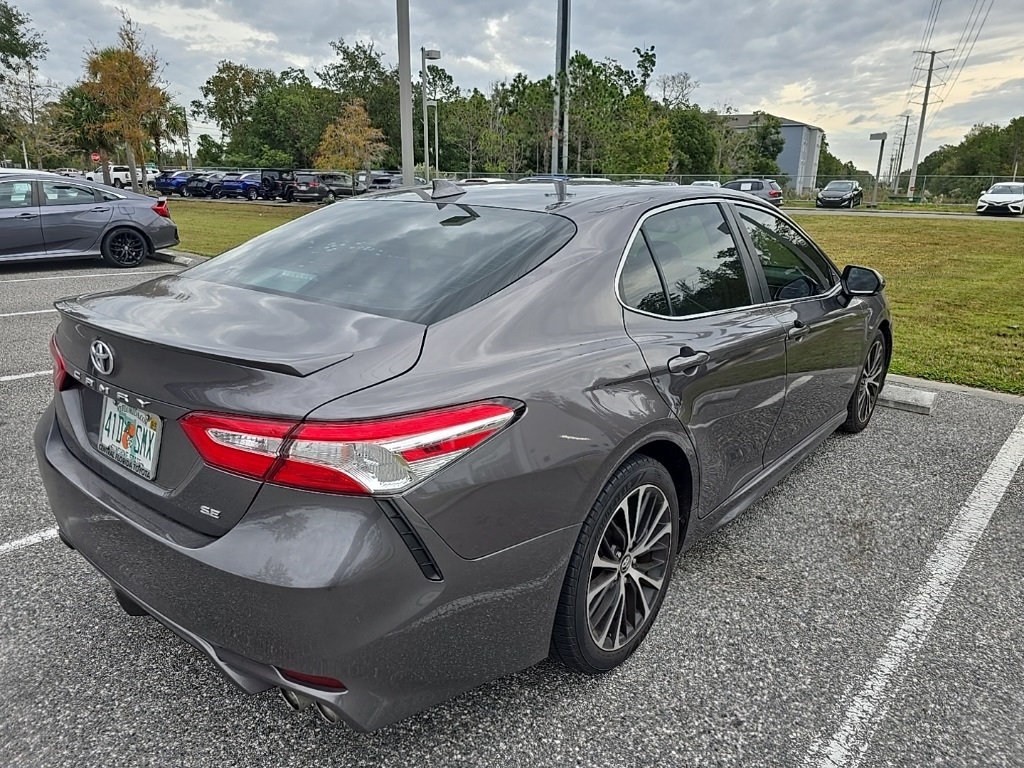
320 584
307 197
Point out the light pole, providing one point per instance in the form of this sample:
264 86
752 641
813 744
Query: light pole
437 136
426 55
879 137
405 93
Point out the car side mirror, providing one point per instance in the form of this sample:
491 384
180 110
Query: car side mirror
862 281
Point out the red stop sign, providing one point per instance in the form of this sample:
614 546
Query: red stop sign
95 157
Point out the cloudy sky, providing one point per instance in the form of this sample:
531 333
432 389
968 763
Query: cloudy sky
843 66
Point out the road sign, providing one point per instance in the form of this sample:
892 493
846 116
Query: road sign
95 157
879 136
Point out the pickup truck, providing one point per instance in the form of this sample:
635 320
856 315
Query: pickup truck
120 176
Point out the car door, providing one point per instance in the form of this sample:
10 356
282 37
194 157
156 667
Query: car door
73 217
825 331
716 354
21 232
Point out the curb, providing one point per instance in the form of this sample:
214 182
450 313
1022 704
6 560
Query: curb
180 258
942 386
907 399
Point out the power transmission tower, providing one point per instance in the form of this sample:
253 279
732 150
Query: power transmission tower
899 154
924 114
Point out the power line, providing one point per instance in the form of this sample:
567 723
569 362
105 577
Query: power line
926 38
959 65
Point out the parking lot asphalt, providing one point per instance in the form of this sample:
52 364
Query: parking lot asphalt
772 634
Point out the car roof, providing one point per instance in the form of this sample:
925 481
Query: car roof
579 202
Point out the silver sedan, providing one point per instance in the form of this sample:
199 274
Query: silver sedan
47 216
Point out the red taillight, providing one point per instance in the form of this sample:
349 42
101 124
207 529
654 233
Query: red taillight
242 445
317 680
314 183
361 457
774 193
61 380
160 208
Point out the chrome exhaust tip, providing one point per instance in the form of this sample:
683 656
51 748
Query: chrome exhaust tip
328 714
295 701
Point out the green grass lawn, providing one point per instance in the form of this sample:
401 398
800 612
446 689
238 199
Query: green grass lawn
212 228
956 286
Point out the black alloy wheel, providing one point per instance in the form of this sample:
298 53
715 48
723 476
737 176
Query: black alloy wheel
125 248
869 386
620 569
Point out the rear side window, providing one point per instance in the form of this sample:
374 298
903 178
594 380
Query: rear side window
640 285
702 267
413 261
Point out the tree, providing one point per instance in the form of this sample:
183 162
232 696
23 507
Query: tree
30 115
209 151
466 124
82 118
675 89
694 146
125 80
765 143
351 142
168 123
19 43
230 94
642 143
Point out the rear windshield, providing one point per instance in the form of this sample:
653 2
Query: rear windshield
305 178
408 260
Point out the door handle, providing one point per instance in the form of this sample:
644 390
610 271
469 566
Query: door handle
798 331
99 210
27 215
687 362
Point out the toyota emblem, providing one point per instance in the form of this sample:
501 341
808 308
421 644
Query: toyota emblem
102 357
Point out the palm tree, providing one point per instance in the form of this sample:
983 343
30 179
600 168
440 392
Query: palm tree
82 119
167 123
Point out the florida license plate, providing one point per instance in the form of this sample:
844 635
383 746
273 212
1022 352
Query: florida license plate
130 436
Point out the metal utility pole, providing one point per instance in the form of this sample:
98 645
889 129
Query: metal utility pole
561 65
899 154
924 113
880 137
425 56
405 93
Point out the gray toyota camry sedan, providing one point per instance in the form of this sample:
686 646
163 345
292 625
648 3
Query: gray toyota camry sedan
410 443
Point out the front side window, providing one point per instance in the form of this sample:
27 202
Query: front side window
698 258
15 194
56 193
792 266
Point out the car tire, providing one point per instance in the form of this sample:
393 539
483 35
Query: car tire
216 193
252 194
329 197
185 192
869 386
630 572
118 184
125 248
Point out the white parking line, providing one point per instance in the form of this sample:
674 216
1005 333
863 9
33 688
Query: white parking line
30 312
126 273
19 376
850 742
28 541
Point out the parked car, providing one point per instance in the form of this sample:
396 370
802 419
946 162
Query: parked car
71 173
342 184
203 185
705 183
245 185
120 176
1004 197
840 194
47 216
484 180
766 189
381 182
169 182
274 182
375 458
